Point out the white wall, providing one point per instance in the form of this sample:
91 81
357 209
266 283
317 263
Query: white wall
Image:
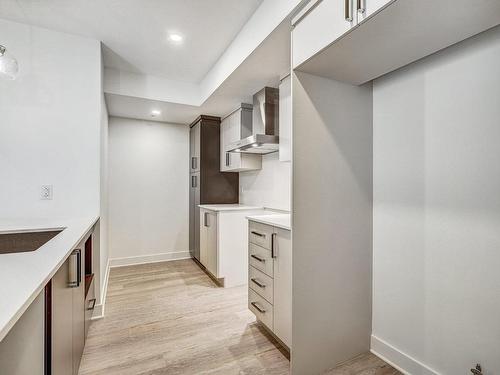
268 187
50 124
148 190
437 211
104 217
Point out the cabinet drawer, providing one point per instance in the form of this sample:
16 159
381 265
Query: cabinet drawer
261 283
260 258
260 234
262 309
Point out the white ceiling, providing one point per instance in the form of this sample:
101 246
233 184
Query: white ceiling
264 67
135 32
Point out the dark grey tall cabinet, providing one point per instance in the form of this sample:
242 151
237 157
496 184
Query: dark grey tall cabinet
208 185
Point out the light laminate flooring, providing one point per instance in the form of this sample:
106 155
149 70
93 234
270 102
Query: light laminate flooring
171 318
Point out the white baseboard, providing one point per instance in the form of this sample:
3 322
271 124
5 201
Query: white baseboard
152 258
99 308
399 360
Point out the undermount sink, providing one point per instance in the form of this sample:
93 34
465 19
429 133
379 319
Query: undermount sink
26 241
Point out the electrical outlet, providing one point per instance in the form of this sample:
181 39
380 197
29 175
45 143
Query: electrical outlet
46 192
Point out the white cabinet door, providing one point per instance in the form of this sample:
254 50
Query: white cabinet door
230 133
283 285
212 253
366 8
208 241
203 238
224 127
320 27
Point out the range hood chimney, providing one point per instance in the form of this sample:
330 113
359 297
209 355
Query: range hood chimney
265 125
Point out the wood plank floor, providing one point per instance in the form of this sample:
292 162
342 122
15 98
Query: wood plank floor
171 318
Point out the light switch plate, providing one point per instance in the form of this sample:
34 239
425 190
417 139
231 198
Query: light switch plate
46 192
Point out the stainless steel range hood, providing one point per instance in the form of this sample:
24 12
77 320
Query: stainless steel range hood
265 125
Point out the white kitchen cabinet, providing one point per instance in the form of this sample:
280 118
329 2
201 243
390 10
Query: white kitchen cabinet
208 242
285 116
270 278
223 242
237 125
283 285
365 8
388 35
322 22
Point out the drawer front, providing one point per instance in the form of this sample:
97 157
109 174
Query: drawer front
260 258
260 234
261 283
262 309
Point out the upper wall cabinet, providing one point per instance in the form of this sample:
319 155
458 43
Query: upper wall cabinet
365 8
319 24
356 41
236 126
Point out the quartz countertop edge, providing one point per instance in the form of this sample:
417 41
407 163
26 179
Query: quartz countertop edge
24 275
228 207
276 220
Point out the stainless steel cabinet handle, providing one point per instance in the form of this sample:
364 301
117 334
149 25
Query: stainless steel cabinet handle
228 159
75 266
348 10
273 243
260 309
194 162
258 234
258 283
258 258
361 6
194 181
92 302
205 219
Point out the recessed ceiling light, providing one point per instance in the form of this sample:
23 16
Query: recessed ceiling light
155 113
176 38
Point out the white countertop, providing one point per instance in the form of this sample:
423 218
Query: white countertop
228 207
24 275
276 220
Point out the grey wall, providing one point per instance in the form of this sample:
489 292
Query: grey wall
332 222
437 211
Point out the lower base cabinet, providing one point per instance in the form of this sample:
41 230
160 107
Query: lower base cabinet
223 244
270 278
71 307
89 305
62 322
208 242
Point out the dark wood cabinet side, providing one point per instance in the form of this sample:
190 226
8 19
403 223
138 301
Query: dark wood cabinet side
216 187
